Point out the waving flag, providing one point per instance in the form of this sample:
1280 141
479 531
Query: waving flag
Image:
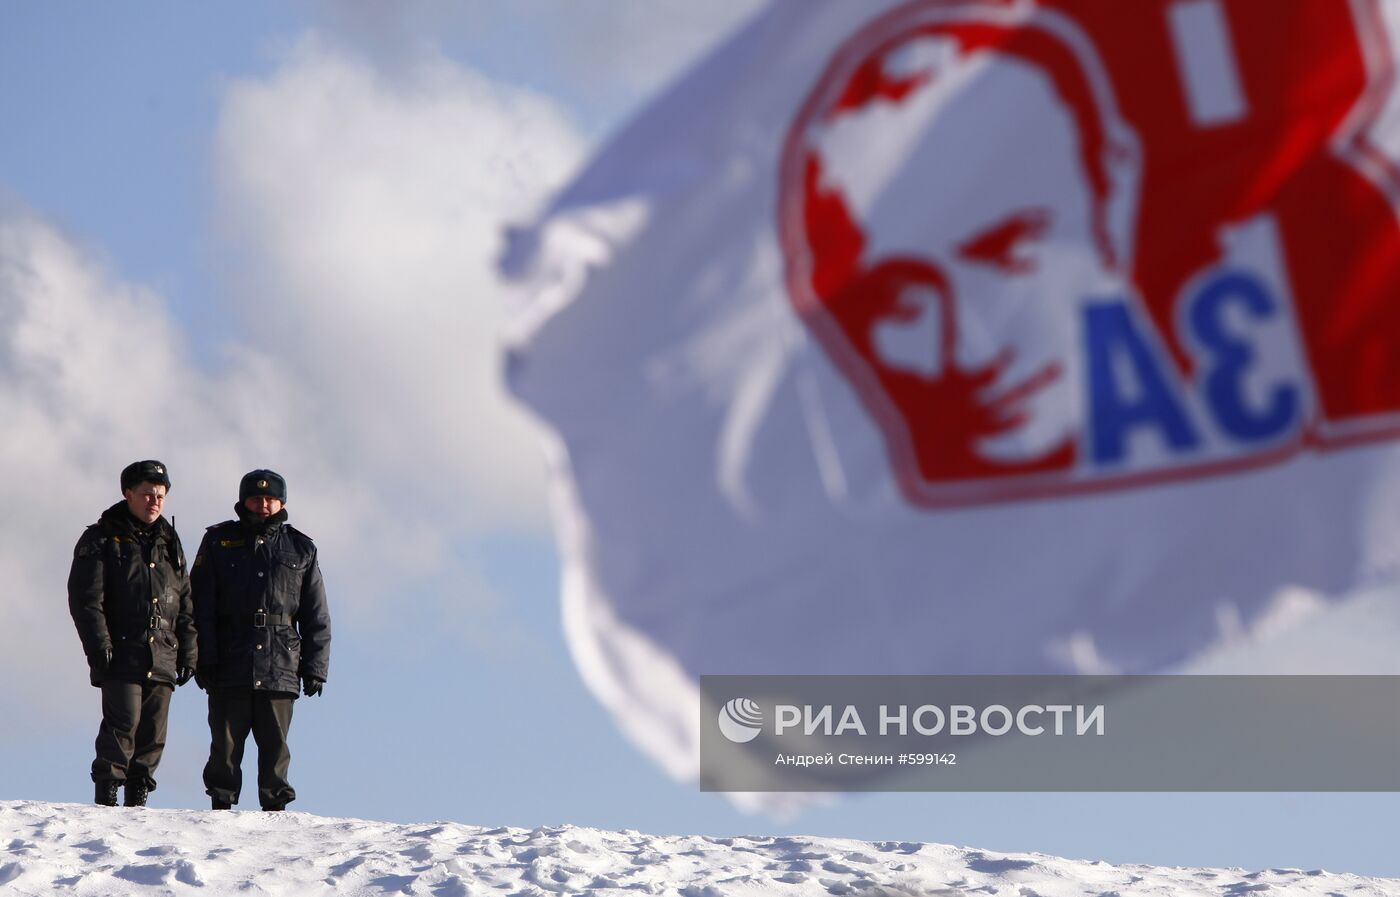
972 337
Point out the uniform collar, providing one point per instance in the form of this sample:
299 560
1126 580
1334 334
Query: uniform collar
257 526
118 520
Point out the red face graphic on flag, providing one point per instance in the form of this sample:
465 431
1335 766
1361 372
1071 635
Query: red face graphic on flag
962 211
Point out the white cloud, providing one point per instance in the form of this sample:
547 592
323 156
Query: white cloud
370 209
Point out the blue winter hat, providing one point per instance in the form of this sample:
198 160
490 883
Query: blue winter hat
262 482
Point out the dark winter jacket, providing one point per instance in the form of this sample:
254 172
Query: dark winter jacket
129 593
260 605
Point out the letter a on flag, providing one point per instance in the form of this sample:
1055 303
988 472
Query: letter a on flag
972 337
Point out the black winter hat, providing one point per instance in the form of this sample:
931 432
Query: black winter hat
138 472
262 482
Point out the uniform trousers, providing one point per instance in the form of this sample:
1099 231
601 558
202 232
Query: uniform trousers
131 737
233 713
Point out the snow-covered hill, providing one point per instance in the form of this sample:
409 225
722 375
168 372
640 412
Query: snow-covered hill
73 849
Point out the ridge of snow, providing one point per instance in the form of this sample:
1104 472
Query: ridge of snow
52 848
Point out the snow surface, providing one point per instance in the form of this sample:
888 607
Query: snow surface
87 850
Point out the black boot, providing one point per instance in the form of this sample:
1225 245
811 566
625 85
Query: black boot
216 804
136 793
106 793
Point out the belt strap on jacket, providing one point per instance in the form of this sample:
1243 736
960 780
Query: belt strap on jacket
257 619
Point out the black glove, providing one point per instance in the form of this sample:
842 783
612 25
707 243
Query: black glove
204 676
183 675
98 665
311 686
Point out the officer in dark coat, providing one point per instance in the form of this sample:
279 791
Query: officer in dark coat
260 608
130 599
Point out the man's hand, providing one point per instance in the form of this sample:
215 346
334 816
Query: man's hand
183 675
311 686
98 665
204 676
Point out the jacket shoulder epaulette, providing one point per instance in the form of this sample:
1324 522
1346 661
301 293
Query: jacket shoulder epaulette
227 534
296 532
91 539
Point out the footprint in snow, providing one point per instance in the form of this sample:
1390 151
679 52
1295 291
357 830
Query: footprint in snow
452 887
391 883
983 863
143 873
420 852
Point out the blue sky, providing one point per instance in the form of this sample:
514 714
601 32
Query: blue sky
202 213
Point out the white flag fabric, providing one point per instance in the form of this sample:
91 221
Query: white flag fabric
972 337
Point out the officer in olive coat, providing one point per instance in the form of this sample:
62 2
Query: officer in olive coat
129 597
260 608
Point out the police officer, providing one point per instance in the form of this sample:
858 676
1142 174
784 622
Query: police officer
130 599
260 608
